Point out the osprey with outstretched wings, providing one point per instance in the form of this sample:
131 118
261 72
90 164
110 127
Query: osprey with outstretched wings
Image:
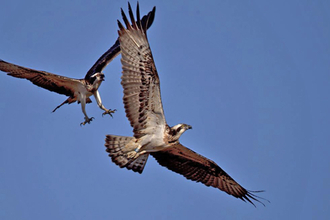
77 90
152 135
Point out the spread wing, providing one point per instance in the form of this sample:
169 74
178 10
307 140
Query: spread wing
55 83
140 80
197 168
104 60
114 51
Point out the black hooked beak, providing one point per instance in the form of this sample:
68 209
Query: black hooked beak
188 127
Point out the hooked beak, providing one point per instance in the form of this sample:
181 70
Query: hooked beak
102 77
188 127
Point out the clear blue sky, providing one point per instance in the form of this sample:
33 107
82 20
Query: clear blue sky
251 77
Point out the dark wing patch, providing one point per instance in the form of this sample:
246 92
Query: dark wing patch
140 79
55 83
114 51
104 60
195 167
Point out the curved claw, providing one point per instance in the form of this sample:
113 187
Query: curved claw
109 112
87 121
132 155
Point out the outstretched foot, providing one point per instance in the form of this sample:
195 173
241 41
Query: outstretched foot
87 121
132 155
109 112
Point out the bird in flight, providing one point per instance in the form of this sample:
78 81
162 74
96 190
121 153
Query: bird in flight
152 135
77 90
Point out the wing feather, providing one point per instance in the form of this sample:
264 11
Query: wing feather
52 82
43 79
104 60
114 50
140 79
195 167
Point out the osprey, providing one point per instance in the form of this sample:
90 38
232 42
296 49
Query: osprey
152 135
78 90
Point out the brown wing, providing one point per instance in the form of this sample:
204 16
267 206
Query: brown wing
55 83
200 169
114 51
140 80
104 60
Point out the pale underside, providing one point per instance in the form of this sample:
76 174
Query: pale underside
142 99
143 105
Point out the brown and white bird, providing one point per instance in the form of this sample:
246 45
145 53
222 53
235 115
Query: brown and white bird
152 135
78 90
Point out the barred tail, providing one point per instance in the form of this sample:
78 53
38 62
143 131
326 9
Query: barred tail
118 147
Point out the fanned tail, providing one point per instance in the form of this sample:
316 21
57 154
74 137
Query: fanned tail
118 147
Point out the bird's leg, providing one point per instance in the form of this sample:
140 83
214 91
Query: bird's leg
132 155
83 106
99 103
87 121
109 112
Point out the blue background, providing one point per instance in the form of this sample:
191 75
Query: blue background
251 77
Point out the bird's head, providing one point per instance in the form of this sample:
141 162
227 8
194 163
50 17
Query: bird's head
97 78
177 130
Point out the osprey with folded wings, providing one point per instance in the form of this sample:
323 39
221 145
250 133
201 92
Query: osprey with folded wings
152 135
78 90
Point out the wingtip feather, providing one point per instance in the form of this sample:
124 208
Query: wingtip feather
249 196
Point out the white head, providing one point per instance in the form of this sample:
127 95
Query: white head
97 78
177 130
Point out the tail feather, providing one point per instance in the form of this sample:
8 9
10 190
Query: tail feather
71 100
138 164
118 147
